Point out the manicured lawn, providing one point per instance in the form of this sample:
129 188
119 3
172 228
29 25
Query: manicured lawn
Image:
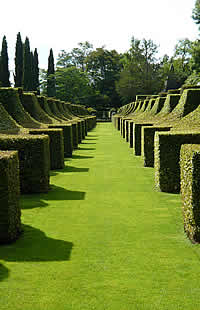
101 239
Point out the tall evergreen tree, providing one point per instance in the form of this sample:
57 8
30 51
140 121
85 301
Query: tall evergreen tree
4 71
51 83
36 82
19 59
27 76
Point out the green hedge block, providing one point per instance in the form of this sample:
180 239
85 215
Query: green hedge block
32 106
68 138
7 123
75 134
10 213
137 131
56 146
147 143
79 132
42 100
82 129
167 157
34 160
190 185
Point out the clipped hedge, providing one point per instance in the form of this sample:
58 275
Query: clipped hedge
10 213
34 160
32 106
7 123
167 157
147 144
56 146
10 99
190 185
136 136
68 138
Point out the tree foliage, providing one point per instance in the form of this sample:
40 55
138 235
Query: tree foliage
19 61
51 83
4 70
27 74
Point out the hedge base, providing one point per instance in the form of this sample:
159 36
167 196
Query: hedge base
190 185
10 213
167 157
34 160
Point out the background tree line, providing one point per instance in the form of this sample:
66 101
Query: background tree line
101 77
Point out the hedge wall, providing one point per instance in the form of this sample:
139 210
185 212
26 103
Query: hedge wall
56 146
137 137
10 213
147 144
34 160
7 123
68 138
31 105
190 185
42 100
10 99
167 156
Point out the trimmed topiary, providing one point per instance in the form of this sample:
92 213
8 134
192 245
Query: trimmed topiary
167 157
147 143
68 138
10 213
56 146
190 184
10 99
34 160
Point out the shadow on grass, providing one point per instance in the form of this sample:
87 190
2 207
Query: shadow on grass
31 202
4 272
86 149
81 157
33 245
60 193
88 143
69 169
55 193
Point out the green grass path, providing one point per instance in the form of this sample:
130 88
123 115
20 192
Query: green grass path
101 239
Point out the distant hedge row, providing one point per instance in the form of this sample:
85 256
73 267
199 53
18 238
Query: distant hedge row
168 138
36 133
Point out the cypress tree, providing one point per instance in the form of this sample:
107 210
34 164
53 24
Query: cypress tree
27 75
36 82
19 59
51 83
4 71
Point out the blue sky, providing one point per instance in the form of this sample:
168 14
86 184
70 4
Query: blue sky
62 24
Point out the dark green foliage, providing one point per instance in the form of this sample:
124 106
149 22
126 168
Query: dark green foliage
68 139
56 146
167 157
36 82
10 99
75 134
53 107
10 213
44 104
34 160
27 76
4 71
31 105
190 184
7 123
147 137
51 83
137 128
19 61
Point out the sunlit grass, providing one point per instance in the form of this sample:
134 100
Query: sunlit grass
101 239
